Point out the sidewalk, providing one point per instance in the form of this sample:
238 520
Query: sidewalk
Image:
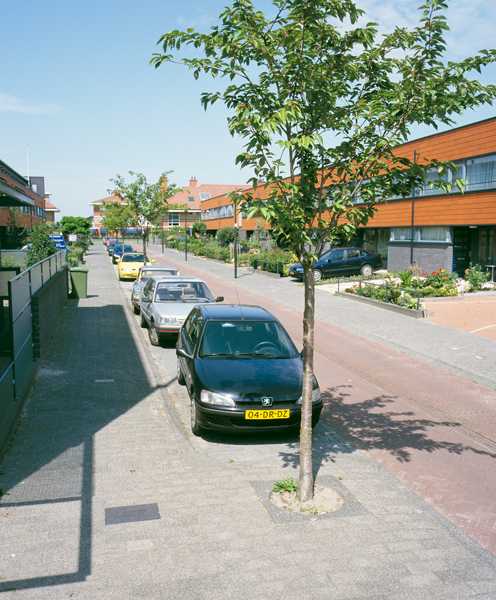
469 355
100 431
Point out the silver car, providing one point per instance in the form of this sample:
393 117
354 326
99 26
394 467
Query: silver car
145 274
166 302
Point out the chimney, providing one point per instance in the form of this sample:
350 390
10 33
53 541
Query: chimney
164 183
193 182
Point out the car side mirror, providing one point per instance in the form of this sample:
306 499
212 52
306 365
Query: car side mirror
219 299
182 352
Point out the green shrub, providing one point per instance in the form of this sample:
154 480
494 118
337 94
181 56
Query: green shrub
41 244
226 236
476 277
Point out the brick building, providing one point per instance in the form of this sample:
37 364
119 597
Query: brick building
187 204
23 204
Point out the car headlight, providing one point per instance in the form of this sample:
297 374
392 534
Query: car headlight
216 399
315 396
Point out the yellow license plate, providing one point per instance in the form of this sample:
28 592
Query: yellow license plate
258 415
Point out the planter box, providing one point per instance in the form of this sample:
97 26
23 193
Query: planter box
416 314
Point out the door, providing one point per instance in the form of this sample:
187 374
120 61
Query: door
335 263
461 249
353 260
146 299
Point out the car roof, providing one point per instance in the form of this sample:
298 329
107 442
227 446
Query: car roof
176 279
235 312
163 268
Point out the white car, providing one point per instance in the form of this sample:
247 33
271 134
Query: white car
166 302
146 272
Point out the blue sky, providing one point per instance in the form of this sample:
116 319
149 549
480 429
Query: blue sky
77 92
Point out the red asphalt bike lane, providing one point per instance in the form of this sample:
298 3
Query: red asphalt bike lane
435 430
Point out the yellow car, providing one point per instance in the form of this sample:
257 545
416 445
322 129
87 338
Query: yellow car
130 264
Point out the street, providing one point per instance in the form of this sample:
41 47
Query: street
430 427
122 501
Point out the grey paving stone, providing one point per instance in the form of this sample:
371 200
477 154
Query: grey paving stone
84 447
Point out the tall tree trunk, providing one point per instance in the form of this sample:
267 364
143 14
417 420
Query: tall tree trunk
144 240
306 482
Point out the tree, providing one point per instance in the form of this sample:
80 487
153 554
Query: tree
146 202
199 229
76 225
321 100
226 236
41 244
117 217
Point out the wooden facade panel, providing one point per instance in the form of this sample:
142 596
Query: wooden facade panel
464 209
473 140
247 225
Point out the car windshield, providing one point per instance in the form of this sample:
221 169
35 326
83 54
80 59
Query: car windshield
146 275
118 248
133 258
246 339
183 291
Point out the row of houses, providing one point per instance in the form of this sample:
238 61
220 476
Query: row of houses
23 204
430 228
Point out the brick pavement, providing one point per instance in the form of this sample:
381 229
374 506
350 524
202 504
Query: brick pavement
100 431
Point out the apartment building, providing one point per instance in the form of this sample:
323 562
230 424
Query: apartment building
186 206
429 228
23 204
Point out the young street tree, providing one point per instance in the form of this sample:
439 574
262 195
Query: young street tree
321 99
145 203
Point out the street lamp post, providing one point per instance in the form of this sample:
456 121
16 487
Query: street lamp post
186 235
236 237
412 222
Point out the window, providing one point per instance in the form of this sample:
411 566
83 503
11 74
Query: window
433 234
219 212
173 219
481 173
353 253
440 235
204 195
246 339
337 255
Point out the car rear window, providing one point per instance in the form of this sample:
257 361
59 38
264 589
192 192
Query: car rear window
133 258
183 291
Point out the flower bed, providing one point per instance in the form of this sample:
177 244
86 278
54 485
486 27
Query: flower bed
406 289
273 261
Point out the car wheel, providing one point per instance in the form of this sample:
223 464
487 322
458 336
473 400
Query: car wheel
317 275
136 309
143 322
195 426
154 336
366 270
180 376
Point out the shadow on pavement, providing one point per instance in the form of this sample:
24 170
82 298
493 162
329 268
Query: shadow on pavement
346 427
92 376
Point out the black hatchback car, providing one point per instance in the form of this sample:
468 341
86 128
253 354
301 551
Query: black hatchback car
242 371
341 261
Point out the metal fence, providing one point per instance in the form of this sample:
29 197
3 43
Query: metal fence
17 362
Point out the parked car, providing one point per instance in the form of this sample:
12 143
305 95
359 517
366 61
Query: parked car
165 304
341 261
145 273
110 246
119 250
242 370
129 265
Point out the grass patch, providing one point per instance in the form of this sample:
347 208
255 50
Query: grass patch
285 485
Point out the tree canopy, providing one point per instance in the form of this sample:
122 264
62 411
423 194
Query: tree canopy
322 100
